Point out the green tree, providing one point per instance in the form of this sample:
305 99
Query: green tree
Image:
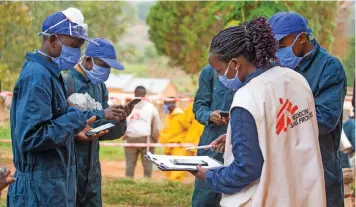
12 28
182 30
105 19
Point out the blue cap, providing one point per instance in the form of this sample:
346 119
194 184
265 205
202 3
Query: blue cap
68 22
286 23
106 52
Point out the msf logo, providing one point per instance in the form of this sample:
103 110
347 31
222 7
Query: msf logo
135 116
284 116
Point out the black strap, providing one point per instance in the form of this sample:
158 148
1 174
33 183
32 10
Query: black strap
69 83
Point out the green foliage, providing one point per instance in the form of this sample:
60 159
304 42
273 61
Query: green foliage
182 30
105 19
349 63
321 17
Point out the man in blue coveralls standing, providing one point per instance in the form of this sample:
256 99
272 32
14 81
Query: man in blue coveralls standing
211 98
43 127
326 77
88 76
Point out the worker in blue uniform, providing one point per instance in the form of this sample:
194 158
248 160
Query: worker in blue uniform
326 77
211 98
43 126
88 76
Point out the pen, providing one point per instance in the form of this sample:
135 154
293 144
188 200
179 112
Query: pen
199 147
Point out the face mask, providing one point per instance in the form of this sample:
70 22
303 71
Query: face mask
287 58
234 83
165 109
68 58
98 74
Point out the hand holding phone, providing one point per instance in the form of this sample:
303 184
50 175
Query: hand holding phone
129 106
101 128
133 102
115 112
224 114
216 118
82 135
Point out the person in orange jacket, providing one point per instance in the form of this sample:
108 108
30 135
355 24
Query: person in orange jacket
173 132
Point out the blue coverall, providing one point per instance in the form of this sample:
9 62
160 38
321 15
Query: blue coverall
88 164
327 80
43 129
212 95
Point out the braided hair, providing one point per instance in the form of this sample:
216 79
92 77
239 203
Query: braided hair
254 40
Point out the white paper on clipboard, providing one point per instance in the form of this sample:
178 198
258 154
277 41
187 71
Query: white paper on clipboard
164 162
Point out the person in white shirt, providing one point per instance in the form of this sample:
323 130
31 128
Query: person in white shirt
142 127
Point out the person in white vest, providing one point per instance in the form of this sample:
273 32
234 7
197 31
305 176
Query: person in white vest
142 127
272 155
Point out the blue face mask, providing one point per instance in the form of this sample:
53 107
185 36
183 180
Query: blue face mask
234 83
287 58
67 59
165 109
98 74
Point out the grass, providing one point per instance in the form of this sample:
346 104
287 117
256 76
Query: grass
122 192
112 153
107 153
3 201
5 132
127 192
5 153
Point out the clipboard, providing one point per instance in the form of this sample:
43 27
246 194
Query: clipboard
165 162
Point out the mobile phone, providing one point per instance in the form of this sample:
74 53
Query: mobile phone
134 101
3 171
189 162
99 129
224 114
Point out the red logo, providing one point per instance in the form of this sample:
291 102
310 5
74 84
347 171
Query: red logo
135 116
284 116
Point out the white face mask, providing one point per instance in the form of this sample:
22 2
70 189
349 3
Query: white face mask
234 83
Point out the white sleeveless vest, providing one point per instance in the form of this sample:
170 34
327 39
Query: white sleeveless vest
282 104
140 120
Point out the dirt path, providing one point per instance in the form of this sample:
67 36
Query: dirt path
116 169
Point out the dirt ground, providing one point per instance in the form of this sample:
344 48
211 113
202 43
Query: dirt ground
116 169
